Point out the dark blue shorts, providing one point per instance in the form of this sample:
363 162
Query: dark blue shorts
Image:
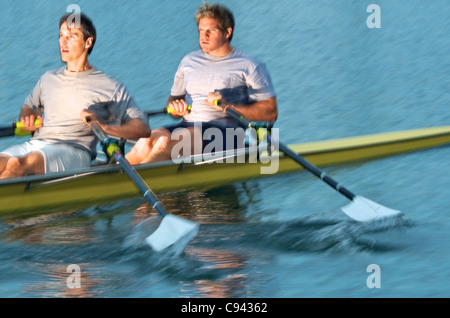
216 137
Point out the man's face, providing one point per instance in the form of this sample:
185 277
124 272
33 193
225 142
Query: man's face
212 39
72 45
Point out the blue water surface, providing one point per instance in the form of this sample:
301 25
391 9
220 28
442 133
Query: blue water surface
282 236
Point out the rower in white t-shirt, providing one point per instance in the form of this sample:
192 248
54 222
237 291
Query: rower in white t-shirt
216 72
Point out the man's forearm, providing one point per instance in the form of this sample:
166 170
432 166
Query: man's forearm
265 110
134 129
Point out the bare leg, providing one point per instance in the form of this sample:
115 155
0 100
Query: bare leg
17 167
3 161
159 146
152 149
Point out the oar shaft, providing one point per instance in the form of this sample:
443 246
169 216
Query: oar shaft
172 231
16 128
7 131
359 208
140 183
296 157
166 110
315 170
114 150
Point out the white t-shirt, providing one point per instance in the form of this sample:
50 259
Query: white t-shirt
64 94
240 78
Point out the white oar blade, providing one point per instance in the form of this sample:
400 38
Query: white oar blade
173 231
363 210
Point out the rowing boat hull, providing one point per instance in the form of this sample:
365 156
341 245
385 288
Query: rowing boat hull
98 185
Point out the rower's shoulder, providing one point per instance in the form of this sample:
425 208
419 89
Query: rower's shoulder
53 72
100 76
239 54
194 55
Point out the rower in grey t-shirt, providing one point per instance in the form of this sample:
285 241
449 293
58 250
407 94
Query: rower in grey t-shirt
64 94
240 79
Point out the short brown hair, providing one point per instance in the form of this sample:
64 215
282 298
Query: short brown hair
86 27
218 12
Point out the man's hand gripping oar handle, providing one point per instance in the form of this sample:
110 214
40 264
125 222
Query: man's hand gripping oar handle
240 118
166 110
17 129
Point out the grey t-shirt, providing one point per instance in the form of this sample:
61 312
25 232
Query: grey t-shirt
64 94
240 78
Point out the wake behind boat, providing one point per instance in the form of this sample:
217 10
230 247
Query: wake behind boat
107 183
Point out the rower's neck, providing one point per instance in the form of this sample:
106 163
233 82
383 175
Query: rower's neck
78 67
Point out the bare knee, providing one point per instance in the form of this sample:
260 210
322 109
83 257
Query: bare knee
13 168
160 143
154 148
22 166
3 161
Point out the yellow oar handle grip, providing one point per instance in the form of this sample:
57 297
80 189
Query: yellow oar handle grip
19 131
112 148
169 109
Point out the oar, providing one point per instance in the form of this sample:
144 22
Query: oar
360 209
165 110
16 129
173 230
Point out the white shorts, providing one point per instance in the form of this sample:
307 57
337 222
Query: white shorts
57 157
